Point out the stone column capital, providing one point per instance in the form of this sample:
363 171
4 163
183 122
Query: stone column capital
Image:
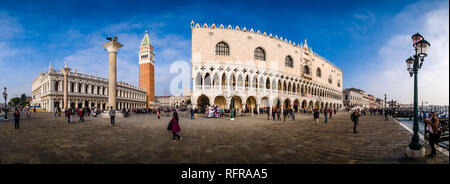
65 70
112 46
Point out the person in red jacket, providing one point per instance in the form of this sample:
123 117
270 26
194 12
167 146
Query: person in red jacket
175 127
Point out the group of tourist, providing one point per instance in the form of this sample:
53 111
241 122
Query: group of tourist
80 112
327 113
214 112
287 113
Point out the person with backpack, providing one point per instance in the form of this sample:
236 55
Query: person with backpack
355 118
325 113
175 127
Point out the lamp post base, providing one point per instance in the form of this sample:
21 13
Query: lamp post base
415 153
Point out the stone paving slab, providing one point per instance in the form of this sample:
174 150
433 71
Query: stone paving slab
253 139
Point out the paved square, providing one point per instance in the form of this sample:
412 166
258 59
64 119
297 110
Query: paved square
253 139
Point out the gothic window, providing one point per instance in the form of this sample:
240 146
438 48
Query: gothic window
260 54
56 85
339 83
288 62
330 80
222 49
318 72
72 86
306 69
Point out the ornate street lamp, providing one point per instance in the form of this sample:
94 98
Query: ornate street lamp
5 95
421 46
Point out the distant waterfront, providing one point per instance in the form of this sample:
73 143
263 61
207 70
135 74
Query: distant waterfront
409 123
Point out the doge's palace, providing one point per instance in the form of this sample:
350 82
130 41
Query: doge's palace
259 70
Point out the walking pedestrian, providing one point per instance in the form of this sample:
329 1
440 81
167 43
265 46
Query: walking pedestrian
158 114
284 114
331 113
433 129
325 113
56 111
112 115
72 114
278 114
385 115
80 112
355 118
175 127
67 113
293 115
268 113
28 113
316 116
16 119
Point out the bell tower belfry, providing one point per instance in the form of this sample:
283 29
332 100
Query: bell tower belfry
147 68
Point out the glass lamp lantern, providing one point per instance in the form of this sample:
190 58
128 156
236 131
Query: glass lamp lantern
416 38
410 65
422 48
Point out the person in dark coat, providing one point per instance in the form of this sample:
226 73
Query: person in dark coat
355 118
316 116
16 118
112 116
175 127
268 113
68 114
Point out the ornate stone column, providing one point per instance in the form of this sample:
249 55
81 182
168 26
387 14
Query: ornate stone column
112 47
65 71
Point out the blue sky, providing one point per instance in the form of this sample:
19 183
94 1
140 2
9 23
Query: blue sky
369 40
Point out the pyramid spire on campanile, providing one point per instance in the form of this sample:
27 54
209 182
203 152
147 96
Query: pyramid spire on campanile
146 39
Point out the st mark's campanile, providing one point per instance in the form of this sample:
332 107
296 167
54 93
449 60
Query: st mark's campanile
147 68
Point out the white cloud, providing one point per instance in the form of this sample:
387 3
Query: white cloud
391 76
94 59
9 26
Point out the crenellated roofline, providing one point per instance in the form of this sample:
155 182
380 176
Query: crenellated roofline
270 35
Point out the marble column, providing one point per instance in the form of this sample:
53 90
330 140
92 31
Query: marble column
112 47
65 71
